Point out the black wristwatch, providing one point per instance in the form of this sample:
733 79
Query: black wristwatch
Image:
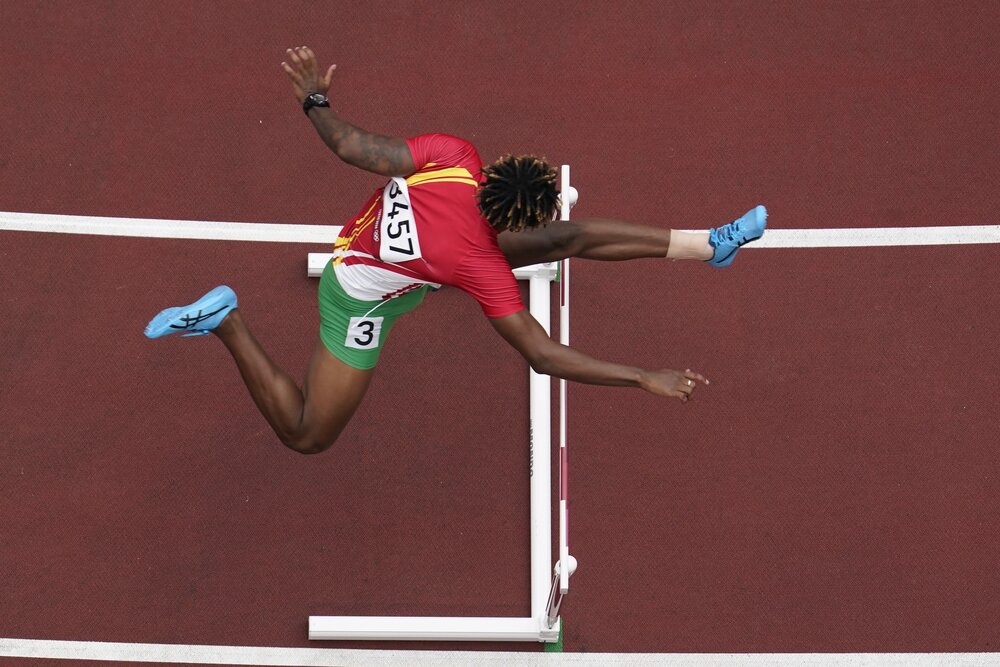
314 100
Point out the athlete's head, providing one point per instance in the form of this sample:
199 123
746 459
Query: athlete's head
519 192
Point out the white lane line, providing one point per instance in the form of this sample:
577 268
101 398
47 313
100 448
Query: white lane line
307 657
877 236
168 229
325 234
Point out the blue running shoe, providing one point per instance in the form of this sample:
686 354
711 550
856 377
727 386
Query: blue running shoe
198 319
728 239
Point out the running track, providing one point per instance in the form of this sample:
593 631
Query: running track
834 490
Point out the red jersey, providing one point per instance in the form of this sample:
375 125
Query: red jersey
427 229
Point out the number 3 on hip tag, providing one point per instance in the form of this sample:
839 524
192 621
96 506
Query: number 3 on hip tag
363 333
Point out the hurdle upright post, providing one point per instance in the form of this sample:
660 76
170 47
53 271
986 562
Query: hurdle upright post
539 464
567 200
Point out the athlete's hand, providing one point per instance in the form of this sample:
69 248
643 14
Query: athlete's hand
673 383
301 68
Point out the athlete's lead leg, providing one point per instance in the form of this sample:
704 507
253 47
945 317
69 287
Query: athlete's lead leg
614 240
600 239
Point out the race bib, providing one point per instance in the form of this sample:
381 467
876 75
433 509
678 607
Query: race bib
399 241
363 333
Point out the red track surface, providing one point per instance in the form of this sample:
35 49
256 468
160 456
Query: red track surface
835 489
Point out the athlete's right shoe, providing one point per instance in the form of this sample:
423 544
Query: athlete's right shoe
198 319
728 239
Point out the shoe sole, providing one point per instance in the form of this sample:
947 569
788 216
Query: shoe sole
168 321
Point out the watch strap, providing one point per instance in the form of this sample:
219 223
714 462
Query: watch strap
314 100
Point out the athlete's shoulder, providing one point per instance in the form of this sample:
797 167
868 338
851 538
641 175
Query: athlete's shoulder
443 150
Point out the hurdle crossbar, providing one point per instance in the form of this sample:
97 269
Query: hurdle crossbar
544 624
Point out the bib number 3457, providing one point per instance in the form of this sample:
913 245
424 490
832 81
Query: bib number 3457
399 241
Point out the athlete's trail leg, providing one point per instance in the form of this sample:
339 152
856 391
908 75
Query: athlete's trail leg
600 239
306 420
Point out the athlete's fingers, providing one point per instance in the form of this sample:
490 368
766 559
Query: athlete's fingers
691 375
311 60
308 62
294 57
328 78
292 74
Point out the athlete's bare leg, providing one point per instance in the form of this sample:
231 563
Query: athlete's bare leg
595 238
306 420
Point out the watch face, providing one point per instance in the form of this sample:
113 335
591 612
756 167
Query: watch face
317 98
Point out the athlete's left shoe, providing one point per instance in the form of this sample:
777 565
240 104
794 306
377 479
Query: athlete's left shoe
198 319
728 239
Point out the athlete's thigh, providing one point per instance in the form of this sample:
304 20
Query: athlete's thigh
550 243
333 391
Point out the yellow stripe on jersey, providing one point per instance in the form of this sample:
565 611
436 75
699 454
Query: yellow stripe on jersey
448 175
467 181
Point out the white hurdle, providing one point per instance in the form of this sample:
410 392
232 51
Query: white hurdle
544 624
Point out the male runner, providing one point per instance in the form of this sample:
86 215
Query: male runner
443 218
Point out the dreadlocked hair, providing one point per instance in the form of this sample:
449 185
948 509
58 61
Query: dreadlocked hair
518 192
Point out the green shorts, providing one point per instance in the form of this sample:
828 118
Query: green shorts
353 330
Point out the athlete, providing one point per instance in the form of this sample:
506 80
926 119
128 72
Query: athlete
442 219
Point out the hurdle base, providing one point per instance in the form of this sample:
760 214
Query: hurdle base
432 628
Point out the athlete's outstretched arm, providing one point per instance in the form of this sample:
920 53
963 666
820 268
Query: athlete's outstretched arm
548 357
389 156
